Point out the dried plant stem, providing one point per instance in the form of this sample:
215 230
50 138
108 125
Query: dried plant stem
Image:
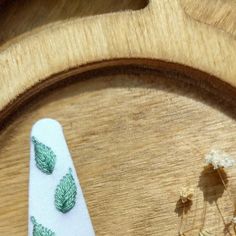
204 215
222 217
226 189
181 222
222 180
187 231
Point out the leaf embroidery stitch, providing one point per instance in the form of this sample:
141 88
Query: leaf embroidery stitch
65 195
44 156
40 230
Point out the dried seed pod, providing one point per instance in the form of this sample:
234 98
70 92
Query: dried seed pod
234 220
186 194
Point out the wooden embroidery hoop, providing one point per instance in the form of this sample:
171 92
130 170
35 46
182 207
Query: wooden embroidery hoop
160 38
140 38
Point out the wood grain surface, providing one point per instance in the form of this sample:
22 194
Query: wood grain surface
17 17
162 31
133 140
136 139
218 13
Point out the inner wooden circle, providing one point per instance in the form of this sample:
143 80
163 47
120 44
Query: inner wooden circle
135 140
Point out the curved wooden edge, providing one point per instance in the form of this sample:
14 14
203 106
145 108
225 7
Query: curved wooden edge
219 14
161 68
160 32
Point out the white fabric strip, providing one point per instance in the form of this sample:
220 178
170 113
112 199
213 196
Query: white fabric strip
75 222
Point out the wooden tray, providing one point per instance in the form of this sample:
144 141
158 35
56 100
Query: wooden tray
150 90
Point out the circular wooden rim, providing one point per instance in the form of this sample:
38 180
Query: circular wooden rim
181 73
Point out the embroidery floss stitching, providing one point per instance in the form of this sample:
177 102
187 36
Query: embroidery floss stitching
65 194
40 230
44 156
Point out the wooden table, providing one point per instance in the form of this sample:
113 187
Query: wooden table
137 135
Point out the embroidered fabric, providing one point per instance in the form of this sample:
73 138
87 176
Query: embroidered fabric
56 203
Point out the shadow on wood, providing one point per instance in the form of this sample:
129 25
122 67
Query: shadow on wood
20 16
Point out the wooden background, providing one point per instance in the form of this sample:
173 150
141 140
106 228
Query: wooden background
136 138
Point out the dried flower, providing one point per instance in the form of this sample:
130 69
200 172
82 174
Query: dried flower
234 220
219 159
186 194
204 233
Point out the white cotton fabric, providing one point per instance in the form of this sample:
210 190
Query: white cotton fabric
42 186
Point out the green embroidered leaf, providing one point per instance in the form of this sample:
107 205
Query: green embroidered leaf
44 156
40 230
65 195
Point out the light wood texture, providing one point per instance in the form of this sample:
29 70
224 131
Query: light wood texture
218 13
136 139
17 17
161 31
133 141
